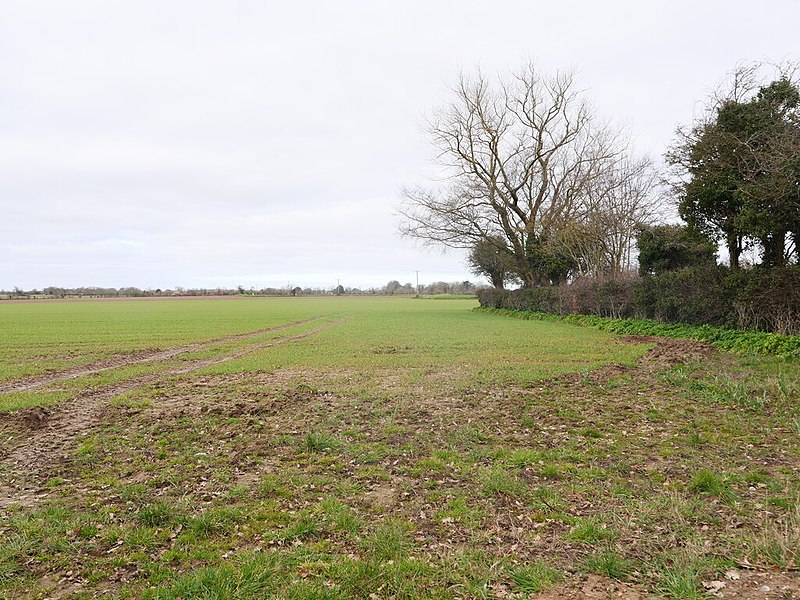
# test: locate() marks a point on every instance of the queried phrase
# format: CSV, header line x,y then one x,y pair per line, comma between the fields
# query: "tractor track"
x,y
124,361
27,467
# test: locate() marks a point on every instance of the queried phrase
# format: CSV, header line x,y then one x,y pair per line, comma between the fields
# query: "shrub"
x,y
605,297
602,296
694,295
767,299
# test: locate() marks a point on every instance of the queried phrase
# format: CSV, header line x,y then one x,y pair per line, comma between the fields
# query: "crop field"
x,y
376,448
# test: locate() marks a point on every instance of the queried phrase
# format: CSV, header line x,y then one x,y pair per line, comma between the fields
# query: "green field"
x,y
383,448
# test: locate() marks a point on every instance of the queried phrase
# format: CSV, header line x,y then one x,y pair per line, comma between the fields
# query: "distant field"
x,y
383,448
36,337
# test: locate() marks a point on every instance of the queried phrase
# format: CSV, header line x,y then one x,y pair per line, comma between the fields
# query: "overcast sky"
x,y
194,143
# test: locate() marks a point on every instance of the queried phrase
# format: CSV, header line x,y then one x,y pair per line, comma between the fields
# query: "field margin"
x,y
730,340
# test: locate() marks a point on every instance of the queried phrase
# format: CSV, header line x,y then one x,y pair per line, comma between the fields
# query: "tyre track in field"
x,y
26,468
108,364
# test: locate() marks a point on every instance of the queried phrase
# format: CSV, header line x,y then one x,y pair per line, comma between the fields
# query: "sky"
x,y
194,143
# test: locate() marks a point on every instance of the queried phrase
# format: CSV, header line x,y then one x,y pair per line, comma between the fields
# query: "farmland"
x,y
385,448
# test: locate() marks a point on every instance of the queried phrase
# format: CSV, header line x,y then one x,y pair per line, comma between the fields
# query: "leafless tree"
x,y
601,237
524,160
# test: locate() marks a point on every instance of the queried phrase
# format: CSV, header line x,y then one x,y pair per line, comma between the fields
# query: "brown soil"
x,y
742,585
754,585
594,587
671,351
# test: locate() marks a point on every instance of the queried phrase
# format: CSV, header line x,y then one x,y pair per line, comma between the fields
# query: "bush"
x,y
544,299
767,299
695,295
604,297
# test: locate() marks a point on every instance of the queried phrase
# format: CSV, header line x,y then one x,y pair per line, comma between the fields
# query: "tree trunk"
x,y
734,243
774,249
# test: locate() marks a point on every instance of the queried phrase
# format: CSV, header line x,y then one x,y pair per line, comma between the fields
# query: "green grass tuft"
x,y
707,482
319,442
680,583
591,531
608,564
535,577
157,514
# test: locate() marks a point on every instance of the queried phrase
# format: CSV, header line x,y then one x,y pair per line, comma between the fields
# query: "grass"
x,y
157,514
497,480
40,337
708,482
608,564
534,577
319,442
680,583
591,531
777,545
390,447
407,336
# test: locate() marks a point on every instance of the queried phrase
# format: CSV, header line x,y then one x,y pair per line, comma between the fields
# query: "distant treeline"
x,y
392,288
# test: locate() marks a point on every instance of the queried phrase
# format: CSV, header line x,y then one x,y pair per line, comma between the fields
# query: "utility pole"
x,y
417,272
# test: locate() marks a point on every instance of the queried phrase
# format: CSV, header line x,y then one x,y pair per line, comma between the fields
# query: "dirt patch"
x,y
755,585
33,418
392,350
742,585
594,587
381,496
672,351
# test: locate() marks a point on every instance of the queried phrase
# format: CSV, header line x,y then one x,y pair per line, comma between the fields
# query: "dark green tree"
x,y
740,172
491,258
771,165
551,263
665,248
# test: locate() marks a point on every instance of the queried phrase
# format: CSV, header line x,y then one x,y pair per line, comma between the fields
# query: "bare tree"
x,y
524,160
602,236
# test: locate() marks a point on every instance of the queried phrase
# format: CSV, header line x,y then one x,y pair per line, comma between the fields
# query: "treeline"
x,y
52,292
757,299
391,288
431,289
